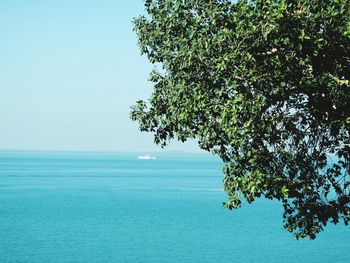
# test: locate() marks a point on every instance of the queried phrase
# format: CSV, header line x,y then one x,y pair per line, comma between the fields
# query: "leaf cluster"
x,y
265,84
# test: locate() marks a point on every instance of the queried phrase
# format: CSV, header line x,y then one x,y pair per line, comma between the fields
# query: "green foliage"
x,y
265,85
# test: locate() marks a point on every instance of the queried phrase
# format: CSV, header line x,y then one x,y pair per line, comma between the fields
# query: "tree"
x,y
264,84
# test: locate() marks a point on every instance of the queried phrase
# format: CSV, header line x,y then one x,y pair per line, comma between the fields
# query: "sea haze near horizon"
x,y
112,207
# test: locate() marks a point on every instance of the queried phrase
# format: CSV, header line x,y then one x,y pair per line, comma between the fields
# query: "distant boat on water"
x,y
147,157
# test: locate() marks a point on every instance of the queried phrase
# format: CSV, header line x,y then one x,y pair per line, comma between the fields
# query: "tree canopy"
x,y
264,84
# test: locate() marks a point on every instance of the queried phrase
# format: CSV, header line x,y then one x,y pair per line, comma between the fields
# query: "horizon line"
x,y
106,151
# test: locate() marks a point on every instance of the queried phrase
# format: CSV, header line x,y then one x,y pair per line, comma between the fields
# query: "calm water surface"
x,y
95,207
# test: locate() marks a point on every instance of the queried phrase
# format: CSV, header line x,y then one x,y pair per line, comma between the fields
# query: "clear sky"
x,y
69,72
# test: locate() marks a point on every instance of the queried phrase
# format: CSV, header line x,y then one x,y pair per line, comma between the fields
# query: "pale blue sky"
x,y
69,71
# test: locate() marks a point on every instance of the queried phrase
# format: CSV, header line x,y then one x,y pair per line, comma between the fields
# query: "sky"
x,y
69,72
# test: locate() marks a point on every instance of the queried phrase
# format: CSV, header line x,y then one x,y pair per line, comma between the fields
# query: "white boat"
x,y
147,157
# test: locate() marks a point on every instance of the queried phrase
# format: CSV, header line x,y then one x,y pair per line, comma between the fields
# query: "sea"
x,y
114,207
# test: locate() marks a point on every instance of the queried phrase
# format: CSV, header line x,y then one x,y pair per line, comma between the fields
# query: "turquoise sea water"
x,y
95,207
